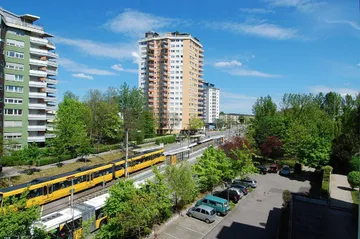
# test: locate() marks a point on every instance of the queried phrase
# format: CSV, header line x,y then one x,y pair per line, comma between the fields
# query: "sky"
x,y
252,48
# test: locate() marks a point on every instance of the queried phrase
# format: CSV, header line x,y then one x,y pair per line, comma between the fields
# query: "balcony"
x,y
50,99
49,127
37,95
50,45
36,139
38,73
38,62
37,106
36,127
51,72
52,63
38,84
38,41
51,81
39,52
51,107
50,90
52,54
50,116
50,136
37,116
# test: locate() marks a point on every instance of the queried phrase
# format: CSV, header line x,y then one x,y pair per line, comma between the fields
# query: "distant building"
x,y
211,103
234,119
27,78
170,74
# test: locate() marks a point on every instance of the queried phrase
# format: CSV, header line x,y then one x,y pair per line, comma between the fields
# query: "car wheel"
x,y
207,220
218,213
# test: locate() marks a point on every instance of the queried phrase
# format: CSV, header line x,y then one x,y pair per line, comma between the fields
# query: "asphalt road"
x,y
256,216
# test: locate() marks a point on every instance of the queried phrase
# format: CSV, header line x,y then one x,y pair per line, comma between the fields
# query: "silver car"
x,y
202,212
248,182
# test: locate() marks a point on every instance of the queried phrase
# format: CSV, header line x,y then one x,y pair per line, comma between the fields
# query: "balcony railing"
x,y
38,62
38,51
38,73
39,41
52,54
36,139
9,19
50,45
50,90
37,116
37,95
51,72
37,106
50,135
38,84
36,127
50,99
50,116
50,107
51,81
52,63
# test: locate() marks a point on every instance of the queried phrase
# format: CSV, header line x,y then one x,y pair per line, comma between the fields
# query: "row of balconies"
x,y
41,52
36,62
41,116
41,73
42,42
40,138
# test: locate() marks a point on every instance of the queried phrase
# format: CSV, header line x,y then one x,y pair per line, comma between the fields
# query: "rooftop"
x,y
155,35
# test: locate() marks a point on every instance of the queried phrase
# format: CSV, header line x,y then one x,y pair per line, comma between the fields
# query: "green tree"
x,y
207,169
30,154
332,104
354,164
220,124
242,164
195,123
354,179
148,126
264,106
16,221
71,130
181,183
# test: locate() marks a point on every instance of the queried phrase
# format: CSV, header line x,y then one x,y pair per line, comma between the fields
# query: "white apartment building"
x,y
211,103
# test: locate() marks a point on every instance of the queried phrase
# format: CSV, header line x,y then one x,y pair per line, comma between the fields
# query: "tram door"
x,y
172,159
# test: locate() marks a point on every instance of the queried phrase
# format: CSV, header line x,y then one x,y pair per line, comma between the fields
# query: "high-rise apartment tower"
x,y
27,83
170,74
211,103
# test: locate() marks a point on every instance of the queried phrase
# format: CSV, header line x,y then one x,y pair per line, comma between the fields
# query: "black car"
x,y
262,169
240,186
232,194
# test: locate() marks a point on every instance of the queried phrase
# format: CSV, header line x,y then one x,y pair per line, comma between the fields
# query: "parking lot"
x,y
255,216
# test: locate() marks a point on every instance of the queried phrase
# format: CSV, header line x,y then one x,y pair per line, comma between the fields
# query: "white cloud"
x,y
135,23
82,75
72,66
229,95
349,23
236,103
342,91
118,67
228,63
254,73
302,5
258,28
256,10
358,64
119,51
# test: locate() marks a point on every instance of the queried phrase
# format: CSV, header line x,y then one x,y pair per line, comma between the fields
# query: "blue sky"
x,y
252,47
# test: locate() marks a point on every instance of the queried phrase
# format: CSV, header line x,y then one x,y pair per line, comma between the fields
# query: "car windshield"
x,y
212,212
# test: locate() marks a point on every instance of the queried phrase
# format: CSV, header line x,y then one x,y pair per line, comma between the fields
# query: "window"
x,y
14,101
12,123
16,89
15,54
14,77
13,111
16,32
14,66
16,43
12,135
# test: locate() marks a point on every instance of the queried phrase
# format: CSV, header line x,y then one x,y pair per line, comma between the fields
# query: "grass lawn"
x,y
65,168
355,196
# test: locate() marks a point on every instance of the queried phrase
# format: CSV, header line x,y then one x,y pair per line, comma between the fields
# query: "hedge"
x,y
165,140
149,140
326,181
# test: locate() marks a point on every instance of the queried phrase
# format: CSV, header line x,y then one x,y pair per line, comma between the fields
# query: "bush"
x,y
354,179
286,196
288,162
165,140
354,164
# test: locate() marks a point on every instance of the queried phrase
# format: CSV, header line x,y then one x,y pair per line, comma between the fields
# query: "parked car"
x,y
202,212
219,204
233,194
262,169
285,171
248,182
274,168
240,186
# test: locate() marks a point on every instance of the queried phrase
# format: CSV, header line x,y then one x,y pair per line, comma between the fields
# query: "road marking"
x,y
191,229
171,235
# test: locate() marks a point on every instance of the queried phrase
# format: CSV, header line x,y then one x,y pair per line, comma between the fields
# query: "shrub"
x,y
354,164
286,196
354,179
288,162
165,140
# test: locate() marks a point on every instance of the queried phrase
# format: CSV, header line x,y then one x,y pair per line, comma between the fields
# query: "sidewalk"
x,y
340,192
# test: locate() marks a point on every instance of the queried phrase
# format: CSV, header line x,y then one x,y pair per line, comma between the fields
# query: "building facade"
x,y
27,76
232,119
211,103
170,74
